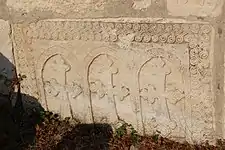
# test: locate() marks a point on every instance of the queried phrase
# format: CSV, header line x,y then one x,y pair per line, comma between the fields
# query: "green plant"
x,y
121,131
156,136
134,136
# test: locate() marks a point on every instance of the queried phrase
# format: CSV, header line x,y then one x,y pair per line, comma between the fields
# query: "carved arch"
x,y
41,62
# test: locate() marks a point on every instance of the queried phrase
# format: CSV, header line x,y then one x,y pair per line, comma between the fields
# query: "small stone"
x,y
133,147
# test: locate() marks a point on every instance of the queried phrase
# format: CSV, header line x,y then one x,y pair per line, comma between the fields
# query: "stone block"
x,y
201,8
45,9
154,74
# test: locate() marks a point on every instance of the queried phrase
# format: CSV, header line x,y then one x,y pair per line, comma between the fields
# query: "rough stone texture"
x,y
5,48
6,56
201,8
125,60
34,10
163,83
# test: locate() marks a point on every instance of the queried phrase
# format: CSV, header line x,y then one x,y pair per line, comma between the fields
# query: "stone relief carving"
x,y
101,76
24,63
97,87
53,88
175,96
57,87
152,81
197,37
58,65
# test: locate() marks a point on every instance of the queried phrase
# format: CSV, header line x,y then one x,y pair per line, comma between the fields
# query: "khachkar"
x,y
154,75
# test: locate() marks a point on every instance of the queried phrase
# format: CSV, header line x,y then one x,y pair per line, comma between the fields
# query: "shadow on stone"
x,y
86,137
19,113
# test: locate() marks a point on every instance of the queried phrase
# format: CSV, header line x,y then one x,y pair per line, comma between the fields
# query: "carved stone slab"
x,y
156,75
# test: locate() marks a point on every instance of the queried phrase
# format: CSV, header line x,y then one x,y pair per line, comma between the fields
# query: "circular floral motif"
x,y
32,26
194,60
121,34
193,70
189,37
155,38
171,38
179,39
113,38
147,38
203,54
163,38
138,38
136,27
205,29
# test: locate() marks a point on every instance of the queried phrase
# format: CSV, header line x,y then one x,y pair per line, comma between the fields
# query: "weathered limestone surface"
x,y
156,75
125,60
204,8
5,48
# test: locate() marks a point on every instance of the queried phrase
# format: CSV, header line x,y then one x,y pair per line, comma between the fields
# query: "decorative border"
x,y
197,36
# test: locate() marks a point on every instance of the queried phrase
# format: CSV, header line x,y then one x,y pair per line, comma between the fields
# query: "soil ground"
x,y
56,134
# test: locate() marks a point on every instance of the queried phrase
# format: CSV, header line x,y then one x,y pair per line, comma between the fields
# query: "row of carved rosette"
x,y
111,31
195,35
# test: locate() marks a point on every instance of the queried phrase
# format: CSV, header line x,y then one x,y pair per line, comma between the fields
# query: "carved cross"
x,y
52,87
149,94
74,90
97,87
121,92
175,96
